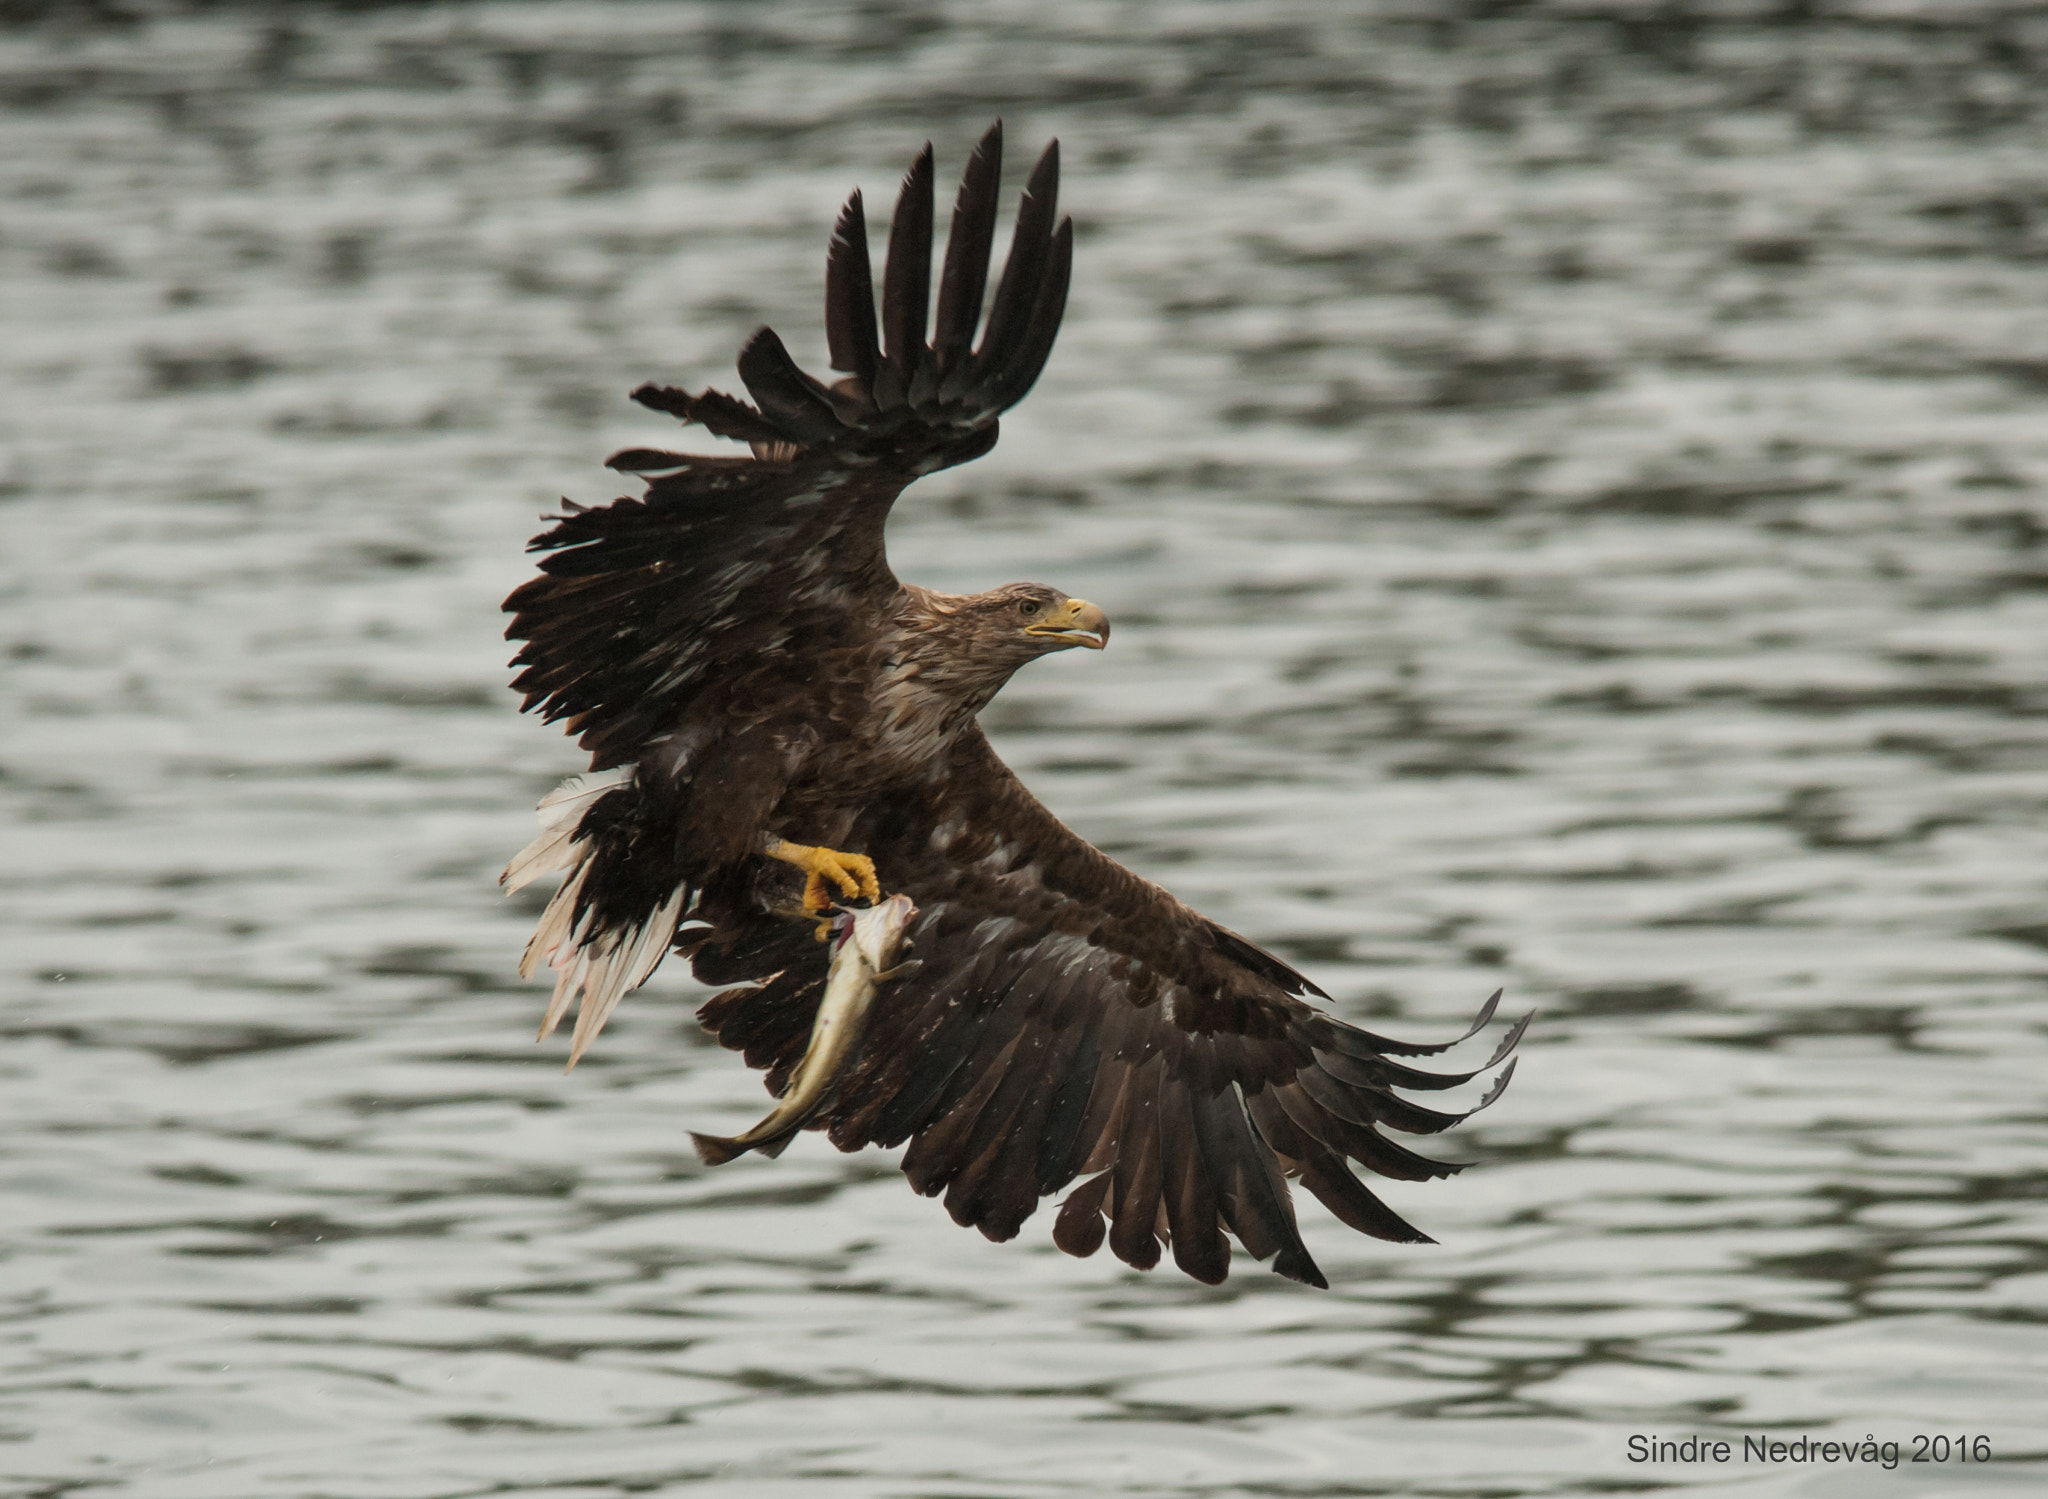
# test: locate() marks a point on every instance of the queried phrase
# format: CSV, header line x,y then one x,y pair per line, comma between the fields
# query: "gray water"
x,y
1569,487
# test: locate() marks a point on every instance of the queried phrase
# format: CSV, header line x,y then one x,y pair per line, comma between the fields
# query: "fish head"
x,y
877,931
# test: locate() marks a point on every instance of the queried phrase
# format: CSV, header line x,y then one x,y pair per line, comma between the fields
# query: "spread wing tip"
x,y
1510,1041
1500,1086
718,413
894,374
968,243
1296,1265
850,335
648,461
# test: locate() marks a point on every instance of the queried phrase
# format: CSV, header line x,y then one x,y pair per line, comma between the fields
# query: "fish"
x,y
865,944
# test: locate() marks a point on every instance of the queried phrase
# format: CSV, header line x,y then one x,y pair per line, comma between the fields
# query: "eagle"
x,y
779,727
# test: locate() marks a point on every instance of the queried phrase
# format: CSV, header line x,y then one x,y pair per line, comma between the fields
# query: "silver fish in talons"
x,y
864,948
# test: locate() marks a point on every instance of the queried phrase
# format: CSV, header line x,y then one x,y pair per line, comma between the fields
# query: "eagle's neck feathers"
x,y
942,665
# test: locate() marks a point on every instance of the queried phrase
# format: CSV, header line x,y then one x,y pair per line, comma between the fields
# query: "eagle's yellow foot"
x,y
854,874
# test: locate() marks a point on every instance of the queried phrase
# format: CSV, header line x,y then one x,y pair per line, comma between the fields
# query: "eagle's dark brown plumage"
x,y
734,650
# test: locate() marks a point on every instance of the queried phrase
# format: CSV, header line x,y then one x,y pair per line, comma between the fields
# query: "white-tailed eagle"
x,y
784,722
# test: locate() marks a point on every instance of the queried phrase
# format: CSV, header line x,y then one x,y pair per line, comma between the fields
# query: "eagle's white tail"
x,y
599,968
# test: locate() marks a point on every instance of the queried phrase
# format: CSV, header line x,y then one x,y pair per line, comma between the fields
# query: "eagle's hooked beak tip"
x,y
1078,623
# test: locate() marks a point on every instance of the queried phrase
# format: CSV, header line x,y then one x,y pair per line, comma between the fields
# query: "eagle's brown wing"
x,y
1068,1019
675,631
726,562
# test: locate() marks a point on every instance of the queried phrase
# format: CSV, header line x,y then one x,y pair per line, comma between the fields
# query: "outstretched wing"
x,y
1070,1019
723,562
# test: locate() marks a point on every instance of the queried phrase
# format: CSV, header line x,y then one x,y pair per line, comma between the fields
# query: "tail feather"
x,y
553,928
621,967
561,817
575,963
572,798
597,962
552,850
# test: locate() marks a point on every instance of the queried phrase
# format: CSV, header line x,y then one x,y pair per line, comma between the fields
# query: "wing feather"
x,y
789,401
1194,1212
1070,1020
990,1116
1009,384
645,605
1251,1191
715,411
1354,1203
1079,1228
1368,1044
1378,1072
1065,1110
935,1155
965,276
907,284
850,296
1373,1105
1095,1140
1361,1142
942,1049
1023,273
1137,1172
1008,1190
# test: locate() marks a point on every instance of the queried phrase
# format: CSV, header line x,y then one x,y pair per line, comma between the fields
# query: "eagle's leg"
x,y
854,874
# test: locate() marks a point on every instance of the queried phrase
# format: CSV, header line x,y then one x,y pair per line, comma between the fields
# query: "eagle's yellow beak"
x,y
1076,621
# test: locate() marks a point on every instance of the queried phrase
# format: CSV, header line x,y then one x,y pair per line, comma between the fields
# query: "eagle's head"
x,y
1020,621
967,646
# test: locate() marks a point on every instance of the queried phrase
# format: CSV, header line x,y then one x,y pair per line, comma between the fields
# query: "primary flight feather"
x,y
776,723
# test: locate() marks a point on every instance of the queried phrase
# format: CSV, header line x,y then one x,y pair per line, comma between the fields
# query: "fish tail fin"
x,y
716,1150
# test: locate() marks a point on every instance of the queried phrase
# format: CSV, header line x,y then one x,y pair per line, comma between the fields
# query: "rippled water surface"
x,y
1568,483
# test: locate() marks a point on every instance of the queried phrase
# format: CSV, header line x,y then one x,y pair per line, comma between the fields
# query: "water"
x,y
1569,490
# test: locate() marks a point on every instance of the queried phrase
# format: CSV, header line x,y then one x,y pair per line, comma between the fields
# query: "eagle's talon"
x,y
854,874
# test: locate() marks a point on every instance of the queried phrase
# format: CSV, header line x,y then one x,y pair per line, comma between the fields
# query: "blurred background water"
x,y
1567,478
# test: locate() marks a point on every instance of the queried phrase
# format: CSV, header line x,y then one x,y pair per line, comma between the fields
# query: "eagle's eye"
x,y
1029,606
